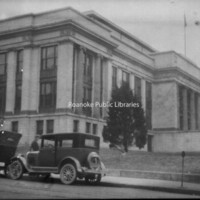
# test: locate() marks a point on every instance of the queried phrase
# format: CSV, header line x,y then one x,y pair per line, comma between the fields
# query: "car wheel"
x,y
93,180
68,174
15,170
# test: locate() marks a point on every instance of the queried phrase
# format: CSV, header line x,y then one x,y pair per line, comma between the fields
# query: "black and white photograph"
x,y
99,99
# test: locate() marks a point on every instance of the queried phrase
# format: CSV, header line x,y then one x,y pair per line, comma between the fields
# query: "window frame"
x,y
51,123
45,58
48,99
39,124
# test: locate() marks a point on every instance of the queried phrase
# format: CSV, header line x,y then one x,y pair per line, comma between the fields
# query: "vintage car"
x,y
8,146
72,155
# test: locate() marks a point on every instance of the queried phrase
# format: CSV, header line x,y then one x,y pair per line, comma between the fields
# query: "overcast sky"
x,y
160,23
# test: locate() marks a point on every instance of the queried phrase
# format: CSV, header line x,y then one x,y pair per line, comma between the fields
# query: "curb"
x,y
191,178
177,190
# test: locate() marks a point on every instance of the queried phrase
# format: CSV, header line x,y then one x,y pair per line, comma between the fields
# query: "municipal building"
x,y
50,60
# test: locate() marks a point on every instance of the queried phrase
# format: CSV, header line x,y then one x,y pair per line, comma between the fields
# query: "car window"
x,y
66,143
90,143
48,143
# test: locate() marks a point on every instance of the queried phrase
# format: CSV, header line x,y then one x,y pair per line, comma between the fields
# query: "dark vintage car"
x,y
72,155
8,146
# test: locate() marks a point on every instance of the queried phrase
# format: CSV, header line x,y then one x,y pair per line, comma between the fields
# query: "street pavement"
x,y
150,184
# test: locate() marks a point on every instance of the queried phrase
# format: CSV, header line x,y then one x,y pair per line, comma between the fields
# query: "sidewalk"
x,y
152,184
158,175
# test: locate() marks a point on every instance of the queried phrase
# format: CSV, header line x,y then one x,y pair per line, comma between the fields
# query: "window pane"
x,y
94,129
50,126
48,95
50,63
87,127
76,126
67,143
39,127
15,126
138,88
90,143
50,52
48,89
48,143
49,58
18,97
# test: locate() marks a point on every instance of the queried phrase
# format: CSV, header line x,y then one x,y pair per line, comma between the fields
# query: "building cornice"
x,y
133,60
169,72
177,54
66,24
150,57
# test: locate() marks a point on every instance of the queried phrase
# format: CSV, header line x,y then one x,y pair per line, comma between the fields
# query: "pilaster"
x,y
143,92
64,75
11,76
79,78
96,88
26,76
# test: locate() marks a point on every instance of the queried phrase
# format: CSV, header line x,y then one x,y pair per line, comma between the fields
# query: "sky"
x,y
159,23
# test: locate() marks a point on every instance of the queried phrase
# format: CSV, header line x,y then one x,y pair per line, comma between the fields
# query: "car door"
x,y
47,153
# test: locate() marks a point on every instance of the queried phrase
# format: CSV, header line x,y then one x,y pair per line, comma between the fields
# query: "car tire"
x,y
15,169
93,180
68,174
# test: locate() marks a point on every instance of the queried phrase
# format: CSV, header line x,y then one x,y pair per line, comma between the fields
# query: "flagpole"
x,y
185,24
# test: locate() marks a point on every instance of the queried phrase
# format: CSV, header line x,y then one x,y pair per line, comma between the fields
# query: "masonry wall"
x,y
176,141
164,106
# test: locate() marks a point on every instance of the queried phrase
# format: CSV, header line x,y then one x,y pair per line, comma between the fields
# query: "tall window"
x,y
39,127
2,64
181,89
189,109
49,58
88,127
87,82
138,88
18,97
114,77
148,104
125,78
2,99
19,61
50,126
101,87
196,111
88,66
94,129
75,126
47,95
15,126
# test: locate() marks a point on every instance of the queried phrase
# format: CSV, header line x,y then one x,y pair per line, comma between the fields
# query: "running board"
x,y
43,169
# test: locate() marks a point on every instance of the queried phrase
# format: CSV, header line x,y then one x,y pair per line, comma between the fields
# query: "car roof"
x,y
70,135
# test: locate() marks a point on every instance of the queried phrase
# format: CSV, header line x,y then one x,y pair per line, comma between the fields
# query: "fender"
x,y
22,159
77,163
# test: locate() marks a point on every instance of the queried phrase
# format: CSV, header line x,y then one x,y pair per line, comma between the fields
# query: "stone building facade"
x,y
48,61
